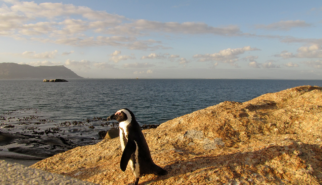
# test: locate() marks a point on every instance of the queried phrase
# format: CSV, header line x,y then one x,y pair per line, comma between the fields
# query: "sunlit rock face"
x,y
273,139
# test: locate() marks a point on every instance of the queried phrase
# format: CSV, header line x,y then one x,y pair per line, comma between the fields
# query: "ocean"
x,y
153,101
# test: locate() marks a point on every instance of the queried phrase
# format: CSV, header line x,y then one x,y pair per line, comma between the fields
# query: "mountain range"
x,y
23,71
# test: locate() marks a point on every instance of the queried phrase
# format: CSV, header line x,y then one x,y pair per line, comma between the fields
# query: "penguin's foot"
x,y
136,181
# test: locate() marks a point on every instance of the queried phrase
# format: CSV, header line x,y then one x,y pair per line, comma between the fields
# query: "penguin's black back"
x,y
146,163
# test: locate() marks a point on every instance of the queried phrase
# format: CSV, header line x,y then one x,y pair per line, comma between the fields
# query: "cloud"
x,y
78,24
41,63
226,56
315,64
83,64
284,25
52,10
285,55
138,65
254,64
174,56
250,58
312,51
155,56
11,1
71,26
103,65
34,55
270,65
116,57
141,27
290,64
145,44
149,71
116,53
183,61
67,53
38,28
86,64
300,40
115,41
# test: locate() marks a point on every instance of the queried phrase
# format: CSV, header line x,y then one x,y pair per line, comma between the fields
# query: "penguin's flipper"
x,y
127,152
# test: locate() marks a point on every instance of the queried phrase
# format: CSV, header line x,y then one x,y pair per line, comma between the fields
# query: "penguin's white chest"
x,y
123,134
123,140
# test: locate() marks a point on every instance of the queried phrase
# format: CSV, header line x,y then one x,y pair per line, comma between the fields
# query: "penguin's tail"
x,y
158,170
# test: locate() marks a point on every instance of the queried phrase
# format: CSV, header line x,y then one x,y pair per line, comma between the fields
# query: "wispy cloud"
x,y
138,65
229,55
254,64
312,51
143,27
117,57
291,64
34,55
149,71
83,64
21,21
86,64
314,63
67,53
42,63
270,65
183,61
284,25
155,56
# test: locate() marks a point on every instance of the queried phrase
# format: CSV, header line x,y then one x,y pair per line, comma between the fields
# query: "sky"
x,y
208,39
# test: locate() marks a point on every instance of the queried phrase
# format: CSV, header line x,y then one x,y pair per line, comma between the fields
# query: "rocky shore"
x,y
275,138
27,135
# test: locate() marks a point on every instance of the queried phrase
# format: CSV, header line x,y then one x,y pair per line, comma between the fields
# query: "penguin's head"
x,y
122,115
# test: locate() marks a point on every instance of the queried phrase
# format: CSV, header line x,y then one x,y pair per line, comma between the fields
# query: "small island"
x,y
55,80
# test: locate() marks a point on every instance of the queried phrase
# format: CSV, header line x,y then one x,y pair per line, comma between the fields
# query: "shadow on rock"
x,y
297,158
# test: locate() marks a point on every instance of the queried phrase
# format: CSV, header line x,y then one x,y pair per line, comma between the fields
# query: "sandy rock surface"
x,y
12,173
273,139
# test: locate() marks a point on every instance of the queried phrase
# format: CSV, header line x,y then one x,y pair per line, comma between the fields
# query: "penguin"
x,y
134,147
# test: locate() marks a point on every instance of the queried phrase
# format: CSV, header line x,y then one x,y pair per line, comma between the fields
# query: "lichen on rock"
x,y
275,138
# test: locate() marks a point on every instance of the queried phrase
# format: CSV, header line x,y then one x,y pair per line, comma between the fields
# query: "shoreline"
x,y
26,136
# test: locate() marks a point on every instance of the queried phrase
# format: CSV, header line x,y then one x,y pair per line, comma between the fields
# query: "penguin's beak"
x,y
111,117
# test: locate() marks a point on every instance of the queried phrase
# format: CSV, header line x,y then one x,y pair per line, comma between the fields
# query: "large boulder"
x,y
273,139
112,133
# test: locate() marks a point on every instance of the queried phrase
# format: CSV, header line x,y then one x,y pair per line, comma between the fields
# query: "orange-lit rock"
x,y
275,138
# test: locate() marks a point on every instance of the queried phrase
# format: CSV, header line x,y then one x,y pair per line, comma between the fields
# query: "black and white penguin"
x,y
134,147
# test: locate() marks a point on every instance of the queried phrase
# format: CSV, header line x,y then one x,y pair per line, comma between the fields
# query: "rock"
x,y
60,80
35,151
102,134
275,138
149,126
6,138
55,80
112,133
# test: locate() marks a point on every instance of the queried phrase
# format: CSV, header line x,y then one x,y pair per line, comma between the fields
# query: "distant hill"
x,y
17,71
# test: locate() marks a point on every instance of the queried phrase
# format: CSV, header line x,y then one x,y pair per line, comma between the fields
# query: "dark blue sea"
x,y
152,101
